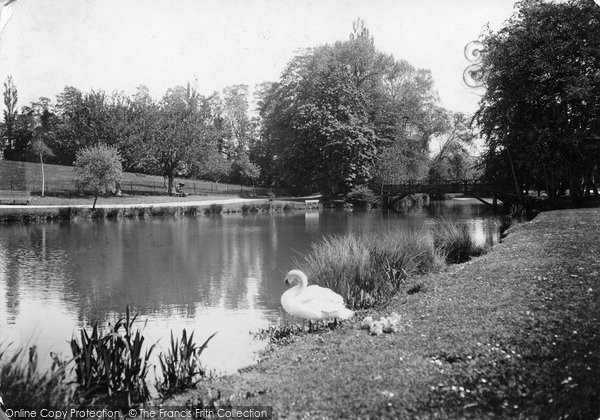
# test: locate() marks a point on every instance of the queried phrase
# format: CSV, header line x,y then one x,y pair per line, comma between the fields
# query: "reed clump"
x,y
109,367
180,366
455,242
22,383
367,270
112,367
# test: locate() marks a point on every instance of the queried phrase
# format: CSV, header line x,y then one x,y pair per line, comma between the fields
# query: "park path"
x,y
194,203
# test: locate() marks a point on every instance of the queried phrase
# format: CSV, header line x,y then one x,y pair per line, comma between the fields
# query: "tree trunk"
x,y
170,178
43,177
95,199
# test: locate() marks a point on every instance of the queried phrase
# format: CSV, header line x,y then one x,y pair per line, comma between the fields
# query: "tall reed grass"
x,y
108,368
455,242
369,269
180,366
113,366
22,384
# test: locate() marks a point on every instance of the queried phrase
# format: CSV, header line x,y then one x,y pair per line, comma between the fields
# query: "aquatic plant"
x,y
112,366
369,269
21,382
181,368
455,242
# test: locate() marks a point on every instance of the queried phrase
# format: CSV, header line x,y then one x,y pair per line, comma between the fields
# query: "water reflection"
x,y
207,274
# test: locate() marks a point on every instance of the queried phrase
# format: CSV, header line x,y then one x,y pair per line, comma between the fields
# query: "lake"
x,y
220,273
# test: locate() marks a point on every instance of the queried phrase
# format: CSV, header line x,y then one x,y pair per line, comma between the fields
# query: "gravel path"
x,y
514,333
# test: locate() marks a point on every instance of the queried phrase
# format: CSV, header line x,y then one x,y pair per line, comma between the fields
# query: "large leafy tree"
x,y
318,127
540,113
347,114
178,138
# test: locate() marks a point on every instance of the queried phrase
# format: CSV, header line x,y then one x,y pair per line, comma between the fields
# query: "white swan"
x,y
312,302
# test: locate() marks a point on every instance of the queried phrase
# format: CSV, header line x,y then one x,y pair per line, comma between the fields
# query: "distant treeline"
x,y
341,116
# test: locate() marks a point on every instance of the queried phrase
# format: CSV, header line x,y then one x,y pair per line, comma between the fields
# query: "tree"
x,y
215,166
98,169
10,115
237,123
343,112
245,169
318,127
40,126
178,135
540,114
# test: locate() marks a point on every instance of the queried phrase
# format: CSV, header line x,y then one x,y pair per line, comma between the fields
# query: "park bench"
x,y
14,197
310,203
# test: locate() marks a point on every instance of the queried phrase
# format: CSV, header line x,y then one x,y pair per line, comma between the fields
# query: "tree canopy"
x,y
540,113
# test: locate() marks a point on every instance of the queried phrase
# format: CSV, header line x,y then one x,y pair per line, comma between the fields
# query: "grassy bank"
x,y
26,176
143,210
511,334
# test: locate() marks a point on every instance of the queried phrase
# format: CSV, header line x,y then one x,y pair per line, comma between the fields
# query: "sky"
x,y
120,44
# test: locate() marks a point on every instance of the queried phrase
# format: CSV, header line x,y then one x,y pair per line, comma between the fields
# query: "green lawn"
x,y
60,180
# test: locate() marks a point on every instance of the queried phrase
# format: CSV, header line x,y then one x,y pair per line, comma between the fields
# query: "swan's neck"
x,y
299,287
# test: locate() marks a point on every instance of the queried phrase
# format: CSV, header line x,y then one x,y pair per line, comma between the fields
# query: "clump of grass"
x,y
250,208
281,335
181,368
288,207
98,213
22,384
112,367
114,213
191,210
368,270
68,213
455,242
214,209
163,211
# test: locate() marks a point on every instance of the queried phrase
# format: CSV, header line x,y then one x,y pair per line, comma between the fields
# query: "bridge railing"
x,y
442,186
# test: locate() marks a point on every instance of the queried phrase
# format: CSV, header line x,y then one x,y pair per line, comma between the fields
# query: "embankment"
x,y
513,333
42,213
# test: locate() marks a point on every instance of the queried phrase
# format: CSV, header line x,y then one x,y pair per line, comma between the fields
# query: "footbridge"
x,y
469,187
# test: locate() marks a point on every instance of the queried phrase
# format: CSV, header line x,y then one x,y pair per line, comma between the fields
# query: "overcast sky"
x,y
120,44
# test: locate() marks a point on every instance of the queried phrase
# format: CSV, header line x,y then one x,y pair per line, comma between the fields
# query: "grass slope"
x,y
27,176
511,334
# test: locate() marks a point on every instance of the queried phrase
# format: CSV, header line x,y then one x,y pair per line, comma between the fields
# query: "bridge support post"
x,y
495,200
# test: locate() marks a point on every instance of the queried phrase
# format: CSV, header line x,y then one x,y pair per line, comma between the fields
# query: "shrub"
x,y
368,270
362,195
181,368
289,207
455,242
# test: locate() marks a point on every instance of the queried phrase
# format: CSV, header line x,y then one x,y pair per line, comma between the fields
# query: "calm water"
x,y
206,274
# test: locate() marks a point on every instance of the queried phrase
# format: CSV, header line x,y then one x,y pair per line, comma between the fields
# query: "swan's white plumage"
x,y
312,302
